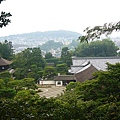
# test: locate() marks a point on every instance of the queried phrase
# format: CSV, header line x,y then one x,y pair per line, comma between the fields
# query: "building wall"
x,y
45,82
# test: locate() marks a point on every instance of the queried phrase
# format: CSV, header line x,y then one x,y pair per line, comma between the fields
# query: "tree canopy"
x,y
49,72
28,63
48,55
97,99
6,49
99,48
66,56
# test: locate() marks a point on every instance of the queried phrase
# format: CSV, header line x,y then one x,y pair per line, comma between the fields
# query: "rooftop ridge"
x,y
112,57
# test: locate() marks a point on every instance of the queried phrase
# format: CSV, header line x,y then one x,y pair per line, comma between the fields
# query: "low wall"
x,y
47,82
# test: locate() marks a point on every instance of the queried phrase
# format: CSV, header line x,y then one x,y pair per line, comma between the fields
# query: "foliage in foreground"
x,y
4,18
98,31
10,87
98,99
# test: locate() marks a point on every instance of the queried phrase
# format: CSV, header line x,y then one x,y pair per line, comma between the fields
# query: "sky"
x,y
47,15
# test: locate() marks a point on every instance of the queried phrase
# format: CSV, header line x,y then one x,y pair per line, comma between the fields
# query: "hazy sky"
x,y
45,15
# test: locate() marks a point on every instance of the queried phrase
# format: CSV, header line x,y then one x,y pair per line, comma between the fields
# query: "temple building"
x,y
4,64
84,67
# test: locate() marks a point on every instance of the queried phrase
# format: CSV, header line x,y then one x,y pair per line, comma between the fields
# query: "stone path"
x,y
51,92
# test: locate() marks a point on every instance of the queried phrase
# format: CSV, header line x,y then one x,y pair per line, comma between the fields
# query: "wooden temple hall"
x,y
4,64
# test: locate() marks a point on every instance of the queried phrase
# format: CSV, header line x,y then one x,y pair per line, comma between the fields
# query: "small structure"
x,y
4,64
63,80
60,80
46,82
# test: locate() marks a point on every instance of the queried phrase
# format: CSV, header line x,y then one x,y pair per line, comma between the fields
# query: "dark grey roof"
x,y
65,77
86,73
4,62
80,58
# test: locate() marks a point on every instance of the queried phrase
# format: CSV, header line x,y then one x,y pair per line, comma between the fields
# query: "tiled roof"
x,y
85,73
65,77
4,62
98,62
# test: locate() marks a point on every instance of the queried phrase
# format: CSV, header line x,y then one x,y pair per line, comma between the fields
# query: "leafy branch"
x,y
97,31
1,1
4,18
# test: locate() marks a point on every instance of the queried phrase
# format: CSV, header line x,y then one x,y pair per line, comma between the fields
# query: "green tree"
x,y
98,48
16,85
62,68
33,68
7,93
21,107
6,77
66,56
49,72
48,55
29,83
25,95
98,98
5,74
36,58
6,50
20,73
2,84
28,62
28,57
53,60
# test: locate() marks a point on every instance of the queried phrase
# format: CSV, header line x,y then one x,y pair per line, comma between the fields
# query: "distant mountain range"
x,y
35,39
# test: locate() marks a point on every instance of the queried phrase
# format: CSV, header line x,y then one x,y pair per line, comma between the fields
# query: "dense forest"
x,y
97,99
